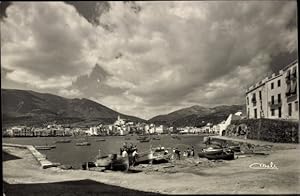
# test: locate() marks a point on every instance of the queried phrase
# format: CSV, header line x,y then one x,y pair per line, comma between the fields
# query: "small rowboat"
x,y
214,154
212,150
235,148
145,140
83,144
63,141
100,140
113,162
45,147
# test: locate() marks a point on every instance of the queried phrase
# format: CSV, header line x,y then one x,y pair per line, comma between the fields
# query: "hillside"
x,y
31,108
197,115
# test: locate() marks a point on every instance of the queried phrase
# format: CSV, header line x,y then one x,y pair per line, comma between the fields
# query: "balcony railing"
x,y
276,103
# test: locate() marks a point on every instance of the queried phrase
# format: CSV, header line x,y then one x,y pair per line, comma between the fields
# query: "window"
x,y
278,83
279,112
248,113
272,85
255,113
260,95
279,98
247,100
290,109
272,100
296,106
272,112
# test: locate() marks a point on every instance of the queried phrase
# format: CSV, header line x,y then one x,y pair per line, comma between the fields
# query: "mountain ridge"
x,y
197,115
23,106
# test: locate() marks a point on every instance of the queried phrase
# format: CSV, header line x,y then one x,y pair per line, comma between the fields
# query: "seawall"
x,y
38,156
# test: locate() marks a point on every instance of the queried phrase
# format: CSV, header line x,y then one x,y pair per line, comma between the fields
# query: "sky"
x,y
146,58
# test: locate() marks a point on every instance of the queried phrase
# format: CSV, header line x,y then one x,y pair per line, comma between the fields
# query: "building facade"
x,y
276,96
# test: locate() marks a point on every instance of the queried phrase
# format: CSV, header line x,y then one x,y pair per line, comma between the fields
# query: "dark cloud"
x,y
91,10
152,57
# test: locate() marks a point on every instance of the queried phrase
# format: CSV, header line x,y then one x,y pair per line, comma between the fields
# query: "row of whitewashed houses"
x,y
119,127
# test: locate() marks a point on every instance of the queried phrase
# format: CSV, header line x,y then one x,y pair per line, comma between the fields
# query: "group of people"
x,y
129,151
188,153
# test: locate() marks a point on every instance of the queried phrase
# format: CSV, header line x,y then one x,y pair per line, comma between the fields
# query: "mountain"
x,y
31,108
197,115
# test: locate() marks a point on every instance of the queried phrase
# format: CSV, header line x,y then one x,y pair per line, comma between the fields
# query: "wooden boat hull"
x,y
213,151
63,141
145,157
222,155
116,163
235,148
83,144
100,140
42,148
147,140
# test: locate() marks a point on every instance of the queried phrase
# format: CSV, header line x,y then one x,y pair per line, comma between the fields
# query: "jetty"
x,y
42,159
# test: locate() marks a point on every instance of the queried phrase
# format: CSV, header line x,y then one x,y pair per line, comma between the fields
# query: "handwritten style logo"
x,y
263,166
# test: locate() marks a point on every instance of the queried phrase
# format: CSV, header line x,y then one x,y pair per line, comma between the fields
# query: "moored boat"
x,y
47,147
63,141
145,140
156,138
83,144
100,140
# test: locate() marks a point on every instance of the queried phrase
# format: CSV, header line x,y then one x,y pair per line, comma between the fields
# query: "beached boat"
x,y
63,141
113,162
176,137
156,138
46,147
235,148
144,157
214,154
83,144
211,150
145,140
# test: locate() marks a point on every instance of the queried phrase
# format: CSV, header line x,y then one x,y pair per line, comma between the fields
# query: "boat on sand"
x,y
218,153
113,162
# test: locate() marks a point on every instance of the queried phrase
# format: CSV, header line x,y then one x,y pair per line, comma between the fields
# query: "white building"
x,y
276,96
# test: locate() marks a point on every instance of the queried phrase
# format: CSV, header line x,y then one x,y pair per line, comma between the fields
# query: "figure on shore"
x,y
188,152
193,152
177,152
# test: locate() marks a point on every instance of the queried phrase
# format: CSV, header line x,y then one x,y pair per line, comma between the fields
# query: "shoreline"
x,y
201,178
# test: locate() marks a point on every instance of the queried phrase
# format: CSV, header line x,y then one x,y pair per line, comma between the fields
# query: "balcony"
x,y
275,104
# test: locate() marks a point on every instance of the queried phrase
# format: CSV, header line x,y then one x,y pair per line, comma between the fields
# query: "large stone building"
x,y
276,96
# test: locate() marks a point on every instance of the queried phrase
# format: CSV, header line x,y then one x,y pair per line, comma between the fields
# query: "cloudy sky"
x,y
146,58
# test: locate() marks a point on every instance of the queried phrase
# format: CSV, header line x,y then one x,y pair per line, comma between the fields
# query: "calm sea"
x,y
70,154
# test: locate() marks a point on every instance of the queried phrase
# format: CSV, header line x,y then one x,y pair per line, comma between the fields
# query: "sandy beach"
x,y
23,176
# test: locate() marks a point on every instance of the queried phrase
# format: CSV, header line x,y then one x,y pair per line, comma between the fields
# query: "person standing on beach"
x,y
193,152
124,153
177,152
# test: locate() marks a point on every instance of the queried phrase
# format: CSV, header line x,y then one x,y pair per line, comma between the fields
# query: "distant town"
x,y
120,127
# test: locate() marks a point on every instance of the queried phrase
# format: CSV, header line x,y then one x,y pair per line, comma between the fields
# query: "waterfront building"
x,y
276,96
159,129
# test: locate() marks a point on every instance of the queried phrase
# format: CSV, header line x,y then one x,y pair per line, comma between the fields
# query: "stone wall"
x,y
264,129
